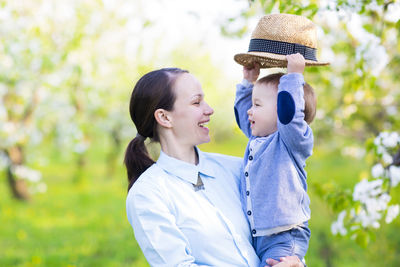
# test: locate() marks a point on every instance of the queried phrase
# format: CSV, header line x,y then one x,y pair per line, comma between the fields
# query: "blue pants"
x,y
287,243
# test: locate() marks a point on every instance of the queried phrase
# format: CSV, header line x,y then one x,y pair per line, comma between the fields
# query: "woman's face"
x,y
191,112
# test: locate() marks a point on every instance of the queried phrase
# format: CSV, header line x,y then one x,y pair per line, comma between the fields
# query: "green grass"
x,y
72,224
84,223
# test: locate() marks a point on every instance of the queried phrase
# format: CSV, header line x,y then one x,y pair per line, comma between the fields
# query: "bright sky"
x,y
199,21
175,21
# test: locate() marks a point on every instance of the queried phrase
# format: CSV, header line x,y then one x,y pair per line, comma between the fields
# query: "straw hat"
x,y
278,35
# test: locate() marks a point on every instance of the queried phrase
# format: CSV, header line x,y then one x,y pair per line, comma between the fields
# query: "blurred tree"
x,y
64,69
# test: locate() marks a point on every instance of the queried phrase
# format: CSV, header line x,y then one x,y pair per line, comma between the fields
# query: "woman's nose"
x,y
209,110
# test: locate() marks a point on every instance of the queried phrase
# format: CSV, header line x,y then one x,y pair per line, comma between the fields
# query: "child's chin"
x,y
254,133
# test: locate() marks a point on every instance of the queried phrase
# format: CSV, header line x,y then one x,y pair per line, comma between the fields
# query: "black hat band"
x,y
282,48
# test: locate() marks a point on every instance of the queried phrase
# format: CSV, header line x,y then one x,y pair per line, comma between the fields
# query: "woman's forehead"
x,y
187,85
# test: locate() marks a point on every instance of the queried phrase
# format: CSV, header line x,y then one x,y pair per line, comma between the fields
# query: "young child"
x,y
274,114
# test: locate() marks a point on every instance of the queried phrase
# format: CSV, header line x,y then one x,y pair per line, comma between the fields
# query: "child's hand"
x,y
251,73
296,63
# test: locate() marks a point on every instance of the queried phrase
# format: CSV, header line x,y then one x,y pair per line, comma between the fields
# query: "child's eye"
x,y
196,103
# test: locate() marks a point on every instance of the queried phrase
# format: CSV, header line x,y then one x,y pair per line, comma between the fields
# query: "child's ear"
x,y
163,118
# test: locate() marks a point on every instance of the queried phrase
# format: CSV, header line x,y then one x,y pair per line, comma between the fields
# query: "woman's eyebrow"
x,y
198,95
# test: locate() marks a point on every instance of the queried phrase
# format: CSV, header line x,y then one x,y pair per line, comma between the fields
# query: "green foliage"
x,y
292,7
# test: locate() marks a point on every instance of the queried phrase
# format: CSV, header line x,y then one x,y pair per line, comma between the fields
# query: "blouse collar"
x,y
184,170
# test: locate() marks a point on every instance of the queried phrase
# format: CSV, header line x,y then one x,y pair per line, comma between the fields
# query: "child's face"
x,y
263,113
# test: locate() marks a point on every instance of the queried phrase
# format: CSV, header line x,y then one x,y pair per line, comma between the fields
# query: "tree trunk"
x,y
18,187
80,167
113,153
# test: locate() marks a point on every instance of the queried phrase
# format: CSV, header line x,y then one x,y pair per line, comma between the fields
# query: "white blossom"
x,y
377,170
81,147
374,199
394,175
376,205
380,149
23,172
370,48
391,140
369,220
392,213
353,151
338,226
391,110
4,160
393,12
371,214
387,158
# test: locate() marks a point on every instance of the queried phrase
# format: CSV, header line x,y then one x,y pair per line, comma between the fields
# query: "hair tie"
x,y
138,135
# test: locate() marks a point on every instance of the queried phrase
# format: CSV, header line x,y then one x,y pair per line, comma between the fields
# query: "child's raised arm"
x,y
294,130
243,97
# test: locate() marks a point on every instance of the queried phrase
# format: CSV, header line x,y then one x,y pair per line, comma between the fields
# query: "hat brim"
x,y
269,60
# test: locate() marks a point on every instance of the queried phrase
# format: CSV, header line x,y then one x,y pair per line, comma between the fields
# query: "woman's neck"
x,y
184,153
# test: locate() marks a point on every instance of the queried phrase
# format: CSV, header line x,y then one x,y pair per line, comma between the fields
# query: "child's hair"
x,y
310,98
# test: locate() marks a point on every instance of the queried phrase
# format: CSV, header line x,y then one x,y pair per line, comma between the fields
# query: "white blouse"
x,y
178,224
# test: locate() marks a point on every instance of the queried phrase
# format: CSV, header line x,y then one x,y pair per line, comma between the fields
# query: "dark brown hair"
x,y
153,91
310,98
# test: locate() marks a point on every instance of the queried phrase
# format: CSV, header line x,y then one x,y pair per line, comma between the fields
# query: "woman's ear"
x,y
163,118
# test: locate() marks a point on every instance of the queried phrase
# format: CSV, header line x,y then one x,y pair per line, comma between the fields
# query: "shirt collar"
x,y
184,170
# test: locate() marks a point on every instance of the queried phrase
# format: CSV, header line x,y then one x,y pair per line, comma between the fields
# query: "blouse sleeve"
x,y
162,242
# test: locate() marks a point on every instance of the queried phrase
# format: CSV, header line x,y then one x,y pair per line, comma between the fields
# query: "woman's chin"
x,y
204,139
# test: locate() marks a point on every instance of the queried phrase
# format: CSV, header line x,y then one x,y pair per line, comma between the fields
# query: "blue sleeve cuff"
x,y
246,83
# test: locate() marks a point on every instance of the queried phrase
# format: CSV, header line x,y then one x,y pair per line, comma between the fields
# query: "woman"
x,y
184,208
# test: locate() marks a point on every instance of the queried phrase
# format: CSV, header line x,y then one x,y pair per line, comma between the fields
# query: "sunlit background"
x,y
67,69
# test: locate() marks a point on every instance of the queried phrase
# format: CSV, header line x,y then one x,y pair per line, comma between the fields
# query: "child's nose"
x,y
249,112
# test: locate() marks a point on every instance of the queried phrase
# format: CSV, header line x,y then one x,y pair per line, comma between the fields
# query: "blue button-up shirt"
x,y
178,225
274,188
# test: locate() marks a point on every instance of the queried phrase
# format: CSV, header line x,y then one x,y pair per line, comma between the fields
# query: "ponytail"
x,y
137,159
152,91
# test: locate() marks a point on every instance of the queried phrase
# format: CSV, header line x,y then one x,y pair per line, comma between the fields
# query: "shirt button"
x,y
247,192
249,212
246,174
250,157
254,231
